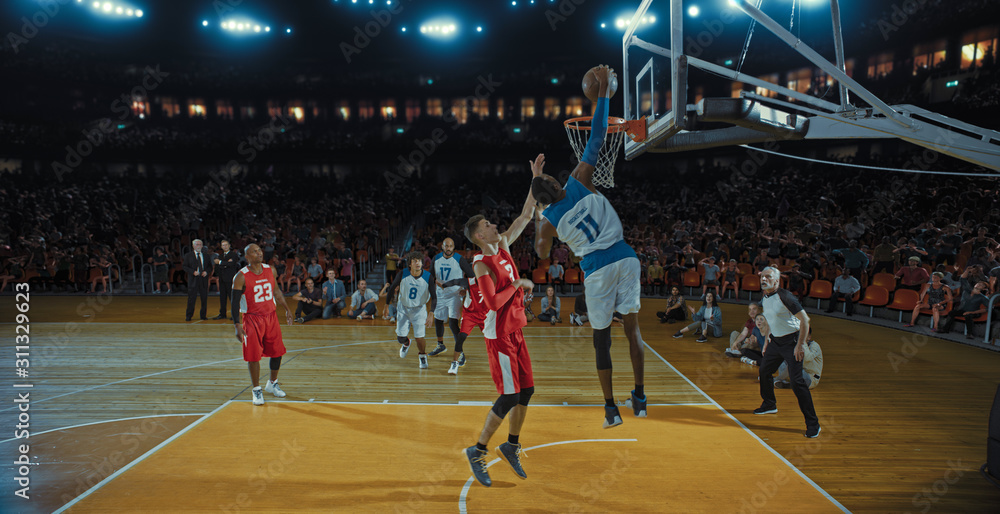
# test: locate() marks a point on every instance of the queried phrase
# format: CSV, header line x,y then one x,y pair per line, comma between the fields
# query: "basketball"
x,y
592,88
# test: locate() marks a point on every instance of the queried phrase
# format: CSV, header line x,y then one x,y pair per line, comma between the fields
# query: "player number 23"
x,y
262,292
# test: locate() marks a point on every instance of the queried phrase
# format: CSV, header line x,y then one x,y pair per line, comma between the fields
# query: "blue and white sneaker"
x,y
612,417
477,461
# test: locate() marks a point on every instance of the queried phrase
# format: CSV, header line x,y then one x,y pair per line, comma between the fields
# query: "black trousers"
x,y
882,266
783,349
225,291
950,320
308,311
848,299
198,286
676,314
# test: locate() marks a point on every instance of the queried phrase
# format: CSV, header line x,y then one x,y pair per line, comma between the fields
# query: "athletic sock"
x,y
512,439
256,388
481,447
639,393
609,402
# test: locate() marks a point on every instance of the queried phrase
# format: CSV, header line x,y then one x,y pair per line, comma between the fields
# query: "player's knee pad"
x,y
275,363
602,348
402,340
439,328
460,341
525,395
505,403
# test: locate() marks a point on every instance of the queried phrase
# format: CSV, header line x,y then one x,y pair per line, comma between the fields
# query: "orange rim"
x,y
636,129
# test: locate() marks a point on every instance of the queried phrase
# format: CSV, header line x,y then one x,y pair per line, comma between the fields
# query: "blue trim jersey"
x,y
587,222
414,291
447,269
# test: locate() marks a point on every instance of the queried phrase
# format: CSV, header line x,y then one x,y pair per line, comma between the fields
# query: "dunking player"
x,y
510,365
585,220
449,272
254,294
414,290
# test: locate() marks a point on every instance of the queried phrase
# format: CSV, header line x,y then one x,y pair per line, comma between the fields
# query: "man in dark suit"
x,y
227,264
198,267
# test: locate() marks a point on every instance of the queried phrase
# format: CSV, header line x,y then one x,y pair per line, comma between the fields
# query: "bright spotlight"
x,y
288,31
652,19
733,3
620,23
106,6
513,2
138,13
423,30
371,1
97,5
479,29
119,10
694,11
603,25
404,29
256,28
204,23
267,29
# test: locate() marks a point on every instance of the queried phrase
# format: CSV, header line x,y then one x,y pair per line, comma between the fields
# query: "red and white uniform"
x,y
510,364
474,309
260,318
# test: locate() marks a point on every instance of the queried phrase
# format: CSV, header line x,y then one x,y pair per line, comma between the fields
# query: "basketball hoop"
x,y
578,132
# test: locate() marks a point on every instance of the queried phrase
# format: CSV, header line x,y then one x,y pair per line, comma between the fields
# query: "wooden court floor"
x,y
133,409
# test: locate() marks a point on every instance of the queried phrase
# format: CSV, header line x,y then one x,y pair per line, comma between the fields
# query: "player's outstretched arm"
x,y
281,299
519,223
584,172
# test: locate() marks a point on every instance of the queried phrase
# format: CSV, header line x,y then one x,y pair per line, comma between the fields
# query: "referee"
x,y
789,332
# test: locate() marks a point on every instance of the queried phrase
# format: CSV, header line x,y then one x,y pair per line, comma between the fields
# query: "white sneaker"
x,y
423,361
258,396
361,317
274,388
404,349
453,370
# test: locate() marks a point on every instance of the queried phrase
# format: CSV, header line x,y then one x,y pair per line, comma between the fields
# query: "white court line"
x,y
761,441
91,388
468,483
142,457
462,403
107,421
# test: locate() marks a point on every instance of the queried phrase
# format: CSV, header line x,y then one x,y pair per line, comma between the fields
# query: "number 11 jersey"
x,y
584,220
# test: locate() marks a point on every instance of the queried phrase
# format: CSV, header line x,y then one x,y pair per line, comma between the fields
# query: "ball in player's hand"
x,y
592,87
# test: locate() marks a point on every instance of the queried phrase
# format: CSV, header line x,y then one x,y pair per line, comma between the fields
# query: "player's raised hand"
x,y
537,165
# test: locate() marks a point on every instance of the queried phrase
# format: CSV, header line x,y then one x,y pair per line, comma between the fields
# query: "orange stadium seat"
x,y
540,276
820,290
572,277
904,300
875,296
885,280
750,284
692,279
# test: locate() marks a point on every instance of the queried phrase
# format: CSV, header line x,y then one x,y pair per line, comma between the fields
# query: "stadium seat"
x,y
572,277
750,284
885,280
540,276
980,319
361,257
875,296
820,290
692,279
904,300
544,264
745,269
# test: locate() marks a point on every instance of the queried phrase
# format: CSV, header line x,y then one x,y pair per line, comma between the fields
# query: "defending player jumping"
x,y
510,366
254,294
585,220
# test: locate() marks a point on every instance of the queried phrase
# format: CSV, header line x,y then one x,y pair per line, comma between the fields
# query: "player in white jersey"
x,y
450,272
584,219
414,290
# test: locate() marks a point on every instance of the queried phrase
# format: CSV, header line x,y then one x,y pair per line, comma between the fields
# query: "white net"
x,y
578,132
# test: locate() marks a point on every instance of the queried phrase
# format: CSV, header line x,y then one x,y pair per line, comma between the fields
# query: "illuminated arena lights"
x,y
623,22
115,9
242,26
439,29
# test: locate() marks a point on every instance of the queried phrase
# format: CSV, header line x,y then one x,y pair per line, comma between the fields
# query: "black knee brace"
x,y
459,341
602,347
525,395
504,404
402,340
439,328
453,324
275,363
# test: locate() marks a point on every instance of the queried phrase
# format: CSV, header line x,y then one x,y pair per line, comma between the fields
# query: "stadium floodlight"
x,y
138,13
204,23
694,11
479,29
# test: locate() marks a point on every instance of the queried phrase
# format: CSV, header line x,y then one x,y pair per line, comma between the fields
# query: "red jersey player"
x,y
510,365
473,315
254,295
